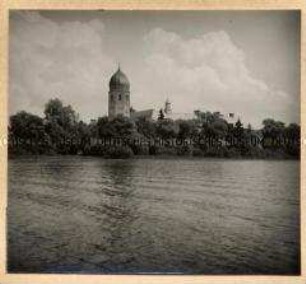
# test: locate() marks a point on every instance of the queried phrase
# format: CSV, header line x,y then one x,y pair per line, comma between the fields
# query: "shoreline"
x,y
160,157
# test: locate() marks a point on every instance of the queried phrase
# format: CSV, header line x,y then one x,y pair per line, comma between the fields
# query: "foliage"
x,y
207,135
27,134
161,115
166,128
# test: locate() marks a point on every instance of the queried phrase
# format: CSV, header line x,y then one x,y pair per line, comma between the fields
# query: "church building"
x,y
119,103
119,100
119,95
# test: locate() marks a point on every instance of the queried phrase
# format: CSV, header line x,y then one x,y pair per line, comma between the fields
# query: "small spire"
x,y
118,66
167,108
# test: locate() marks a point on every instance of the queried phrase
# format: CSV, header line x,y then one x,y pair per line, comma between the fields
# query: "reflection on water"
x,y
89,215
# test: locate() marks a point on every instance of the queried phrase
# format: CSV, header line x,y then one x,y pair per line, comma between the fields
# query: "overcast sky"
x,y
243,62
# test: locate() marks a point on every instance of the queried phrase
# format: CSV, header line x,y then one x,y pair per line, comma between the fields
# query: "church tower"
x,y
168,108
119,95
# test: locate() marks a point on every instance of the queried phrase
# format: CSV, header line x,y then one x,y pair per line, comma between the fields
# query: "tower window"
x,y
120,97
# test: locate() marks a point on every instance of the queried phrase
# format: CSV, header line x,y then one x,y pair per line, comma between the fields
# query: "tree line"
x,y
61,131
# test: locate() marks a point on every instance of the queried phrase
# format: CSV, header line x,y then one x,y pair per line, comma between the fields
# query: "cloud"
x,y
70,60
209,73
65,60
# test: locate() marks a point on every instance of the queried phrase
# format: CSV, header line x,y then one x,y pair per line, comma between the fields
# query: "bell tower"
x,y
119,95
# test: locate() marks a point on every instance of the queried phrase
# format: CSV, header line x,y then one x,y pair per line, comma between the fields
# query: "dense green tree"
x,y
161,115
26,125
238,129
166,128
61,124
187,128
273,133
64,116
118,127
146,127
61,132
53,109
273,128
27,134
292,139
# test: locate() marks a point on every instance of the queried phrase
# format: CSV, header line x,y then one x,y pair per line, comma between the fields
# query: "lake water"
x,y
91,215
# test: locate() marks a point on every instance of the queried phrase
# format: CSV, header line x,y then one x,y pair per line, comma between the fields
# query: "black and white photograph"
x,y
154,142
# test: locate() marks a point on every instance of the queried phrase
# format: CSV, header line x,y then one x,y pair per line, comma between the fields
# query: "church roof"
x,y
119,79
146,114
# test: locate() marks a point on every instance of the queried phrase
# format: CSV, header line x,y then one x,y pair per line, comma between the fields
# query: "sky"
x,y
243,62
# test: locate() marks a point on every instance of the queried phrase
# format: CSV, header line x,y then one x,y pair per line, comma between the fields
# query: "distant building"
x,y
168,108
119,99
148,114
119,102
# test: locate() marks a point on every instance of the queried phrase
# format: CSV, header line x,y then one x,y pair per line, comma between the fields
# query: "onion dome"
x,y
119,80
